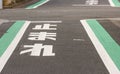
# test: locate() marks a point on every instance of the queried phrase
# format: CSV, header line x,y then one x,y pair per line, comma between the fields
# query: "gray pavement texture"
x,y
75,53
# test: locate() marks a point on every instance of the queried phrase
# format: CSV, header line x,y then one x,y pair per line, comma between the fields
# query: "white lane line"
x,y
114,19
88,5
100,49
46,21
38,21
117,23
2,21
39,4
118,19
4,58
111,3
78,39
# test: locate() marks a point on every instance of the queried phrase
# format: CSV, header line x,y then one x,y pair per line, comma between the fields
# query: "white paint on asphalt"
x,y
42,36
88,5
78,40
37,21
117,23
100,49
3,21
45,27
4,58
114,19
46,21
36,50
91,2
36,35
39,4
111,3
118,19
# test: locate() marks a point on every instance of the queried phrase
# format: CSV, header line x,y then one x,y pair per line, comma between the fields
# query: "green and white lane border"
x,y
10,40
105,45
114,3
39,3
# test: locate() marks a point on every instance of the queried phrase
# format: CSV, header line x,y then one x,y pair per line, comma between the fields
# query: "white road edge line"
x,y
117,19
111,3
4,58
88,5
46,21
39,4
3,21
100,49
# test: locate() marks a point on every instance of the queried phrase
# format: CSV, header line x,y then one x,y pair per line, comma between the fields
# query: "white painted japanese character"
x,y
44,27
36,49
42,36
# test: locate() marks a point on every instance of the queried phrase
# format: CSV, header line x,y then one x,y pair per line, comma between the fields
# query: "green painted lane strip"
x,y
36,4
8,37
112,48
116,3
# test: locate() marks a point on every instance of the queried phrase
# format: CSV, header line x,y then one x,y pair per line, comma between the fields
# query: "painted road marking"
x,y
117,23
117,19
91,2
38,21
42,36
9,50
72,50
109,50
37,48
88,5
40,3
9,36
46,21
109,44
111,3
41,32
45,27
114,3
2,21
15,34
78,40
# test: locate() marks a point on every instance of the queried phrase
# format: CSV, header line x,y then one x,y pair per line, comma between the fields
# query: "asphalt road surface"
x,y
60,37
